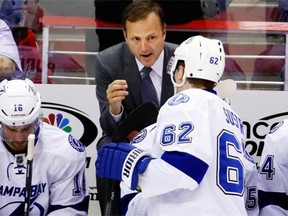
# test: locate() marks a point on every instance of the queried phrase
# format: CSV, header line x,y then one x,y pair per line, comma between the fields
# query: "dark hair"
x,y
196,81
140,9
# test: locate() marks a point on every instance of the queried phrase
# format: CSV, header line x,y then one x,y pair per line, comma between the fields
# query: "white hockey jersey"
x,y
59,185
272,177
201,166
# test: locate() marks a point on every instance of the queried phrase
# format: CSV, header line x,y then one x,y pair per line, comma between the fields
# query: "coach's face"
x,y
145,39
16,136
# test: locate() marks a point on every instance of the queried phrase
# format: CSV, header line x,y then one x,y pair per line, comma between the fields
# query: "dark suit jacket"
x,y
117,62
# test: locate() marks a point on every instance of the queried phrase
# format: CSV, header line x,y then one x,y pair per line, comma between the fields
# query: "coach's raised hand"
x,y
116,93
122,161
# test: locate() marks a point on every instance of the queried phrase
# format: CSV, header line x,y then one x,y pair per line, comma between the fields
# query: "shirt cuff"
x,y
118,117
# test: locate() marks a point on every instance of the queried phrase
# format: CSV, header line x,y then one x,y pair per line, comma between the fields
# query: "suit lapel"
x,y
133,78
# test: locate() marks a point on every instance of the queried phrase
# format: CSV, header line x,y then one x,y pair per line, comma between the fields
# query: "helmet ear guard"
x,y
20,102
171,69
204,58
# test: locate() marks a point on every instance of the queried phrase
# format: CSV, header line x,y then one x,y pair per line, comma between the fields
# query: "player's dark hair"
x,y
201,82
140,9
195,81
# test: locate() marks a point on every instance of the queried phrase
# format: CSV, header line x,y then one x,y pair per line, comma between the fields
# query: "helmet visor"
x,y
18,134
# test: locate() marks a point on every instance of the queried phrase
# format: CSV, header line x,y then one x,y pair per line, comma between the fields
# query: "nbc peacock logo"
x,y
68,118
59,121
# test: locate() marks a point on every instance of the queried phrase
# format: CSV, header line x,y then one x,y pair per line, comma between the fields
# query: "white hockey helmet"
x,y
204,58
20,102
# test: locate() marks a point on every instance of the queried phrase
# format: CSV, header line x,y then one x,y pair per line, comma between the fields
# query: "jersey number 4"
x,y
268,167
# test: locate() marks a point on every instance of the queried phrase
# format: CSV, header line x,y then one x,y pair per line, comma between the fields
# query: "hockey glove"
x,y
122,161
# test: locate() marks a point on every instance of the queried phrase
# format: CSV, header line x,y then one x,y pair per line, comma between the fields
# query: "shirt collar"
x,y
157,67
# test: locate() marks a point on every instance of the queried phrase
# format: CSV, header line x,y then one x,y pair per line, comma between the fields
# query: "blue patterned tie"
x,y
148,91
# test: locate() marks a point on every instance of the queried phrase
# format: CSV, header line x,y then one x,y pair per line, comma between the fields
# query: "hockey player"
x,y
58,181
272,177
195,162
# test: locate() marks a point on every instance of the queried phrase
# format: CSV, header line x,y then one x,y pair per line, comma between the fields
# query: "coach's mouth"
x,y
146,55
148,59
